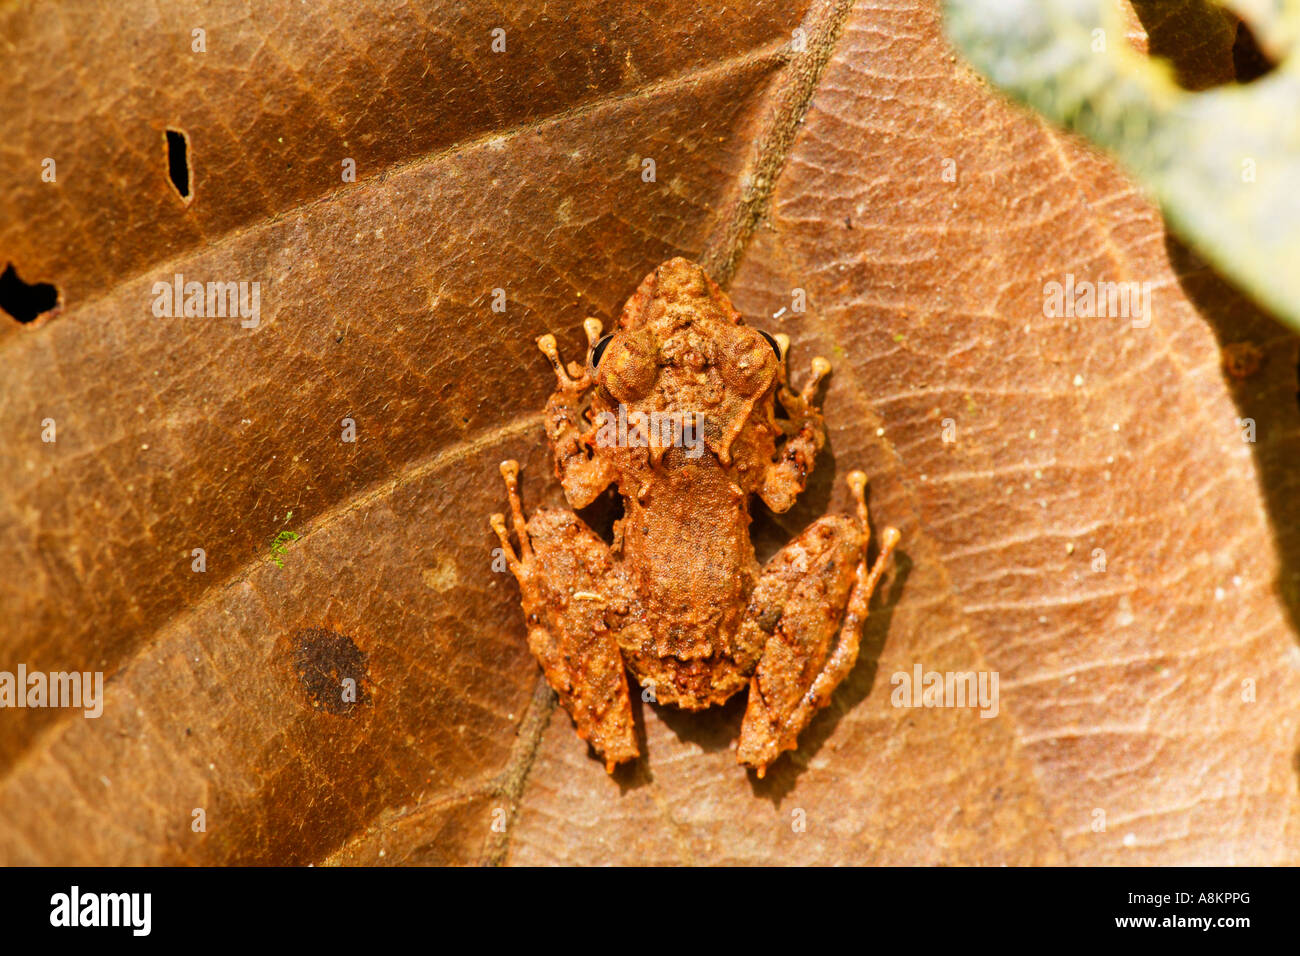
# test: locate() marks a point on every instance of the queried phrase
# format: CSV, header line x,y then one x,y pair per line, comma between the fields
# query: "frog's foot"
x,y
583,474
796,602
574,378
820,369
510,472
805,434
563,571
801,405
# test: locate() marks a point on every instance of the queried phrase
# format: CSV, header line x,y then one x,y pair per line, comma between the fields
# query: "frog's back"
x,y
687,551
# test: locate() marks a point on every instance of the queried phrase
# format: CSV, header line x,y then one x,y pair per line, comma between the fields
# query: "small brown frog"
x,y
682,419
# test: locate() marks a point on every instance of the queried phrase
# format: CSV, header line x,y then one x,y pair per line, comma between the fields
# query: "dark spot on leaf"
x,y
1241,359
325,661
1248,60
25,302
1190,42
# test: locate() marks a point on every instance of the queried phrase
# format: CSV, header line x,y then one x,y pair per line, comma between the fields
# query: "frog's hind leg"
x,y
797,602
563,570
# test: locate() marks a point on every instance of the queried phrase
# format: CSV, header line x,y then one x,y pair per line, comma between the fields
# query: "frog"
x,y
678,599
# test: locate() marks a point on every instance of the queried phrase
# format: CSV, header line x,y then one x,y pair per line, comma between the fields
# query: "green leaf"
x,y
1224,163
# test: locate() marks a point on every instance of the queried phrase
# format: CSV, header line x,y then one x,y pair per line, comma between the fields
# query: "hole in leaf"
x,y
23,301
178,162
1248,59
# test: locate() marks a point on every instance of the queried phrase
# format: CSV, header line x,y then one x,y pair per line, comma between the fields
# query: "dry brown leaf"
x,y
1121,691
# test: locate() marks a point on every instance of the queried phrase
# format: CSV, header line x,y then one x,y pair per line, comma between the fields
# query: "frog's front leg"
x,y
805,434
583,475
566,578
797,603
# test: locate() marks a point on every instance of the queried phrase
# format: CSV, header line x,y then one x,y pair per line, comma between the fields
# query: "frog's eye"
x,y
772,342
746,365
627,365
598,349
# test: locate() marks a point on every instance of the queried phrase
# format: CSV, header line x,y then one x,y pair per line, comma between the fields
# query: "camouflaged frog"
x,y
676,408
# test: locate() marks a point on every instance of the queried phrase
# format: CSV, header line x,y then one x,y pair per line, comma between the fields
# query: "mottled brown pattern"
x,y
1121,691
676,408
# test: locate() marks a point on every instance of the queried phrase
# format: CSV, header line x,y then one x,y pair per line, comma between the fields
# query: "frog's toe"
x,y
548,347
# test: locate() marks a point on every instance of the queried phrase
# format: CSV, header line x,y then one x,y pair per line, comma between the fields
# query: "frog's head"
x,y
680,347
